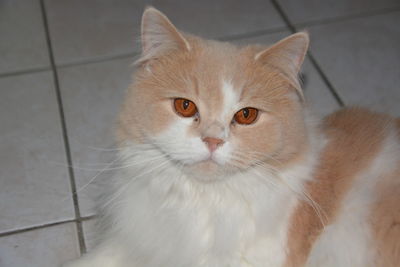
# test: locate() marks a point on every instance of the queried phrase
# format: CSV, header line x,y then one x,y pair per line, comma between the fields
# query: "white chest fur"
x,y
168,219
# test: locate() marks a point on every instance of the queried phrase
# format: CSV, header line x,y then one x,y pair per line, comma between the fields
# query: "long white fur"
x,y
165,218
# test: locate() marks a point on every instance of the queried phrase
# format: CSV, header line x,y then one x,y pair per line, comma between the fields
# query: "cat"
x,y
224,166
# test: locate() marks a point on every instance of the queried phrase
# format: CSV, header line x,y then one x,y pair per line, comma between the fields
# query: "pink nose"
x,y
213,143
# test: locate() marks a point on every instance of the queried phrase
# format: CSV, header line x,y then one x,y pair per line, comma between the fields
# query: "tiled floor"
x,y
64,65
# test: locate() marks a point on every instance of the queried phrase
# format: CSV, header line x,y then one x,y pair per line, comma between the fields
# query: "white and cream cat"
x,y
224,168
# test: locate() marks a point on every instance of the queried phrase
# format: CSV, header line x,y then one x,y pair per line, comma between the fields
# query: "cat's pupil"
x,y
245,112
186,104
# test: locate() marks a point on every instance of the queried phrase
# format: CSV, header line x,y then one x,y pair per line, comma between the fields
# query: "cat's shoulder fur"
x,y
357,169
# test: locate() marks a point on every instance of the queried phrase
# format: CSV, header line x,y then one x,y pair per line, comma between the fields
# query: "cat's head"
x,y
211,106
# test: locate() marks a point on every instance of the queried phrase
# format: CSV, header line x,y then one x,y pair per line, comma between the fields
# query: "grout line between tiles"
x,y
25,71
370,13
251,34
87,218
82,246
37,227
312,58
99,59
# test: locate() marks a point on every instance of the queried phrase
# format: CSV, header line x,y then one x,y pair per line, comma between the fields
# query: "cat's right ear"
x,y
159,36
287,56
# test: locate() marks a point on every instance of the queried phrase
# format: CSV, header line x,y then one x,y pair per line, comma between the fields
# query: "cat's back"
x,y
357,190
360,143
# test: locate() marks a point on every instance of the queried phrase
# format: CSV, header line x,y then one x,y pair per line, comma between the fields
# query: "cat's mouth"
x,y
206,164
206,171
212,159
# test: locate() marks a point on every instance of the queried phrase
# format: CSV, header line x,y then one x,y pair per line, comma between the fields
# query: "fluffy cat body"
x,y
282,191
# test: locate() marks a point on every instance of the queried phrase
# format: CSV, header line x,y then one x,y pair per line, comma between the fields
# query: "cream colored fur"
x,y
283,190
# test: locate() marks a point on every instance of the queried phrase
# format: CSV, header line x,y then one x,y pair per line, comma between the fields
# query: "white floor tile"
x,y
23,40
361,57
35,186
47,247
300,11
82,30
92,96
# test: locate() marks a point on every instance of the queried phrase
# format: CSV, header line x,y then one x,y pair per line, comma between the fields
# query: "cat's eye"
x,y
185,107
246,116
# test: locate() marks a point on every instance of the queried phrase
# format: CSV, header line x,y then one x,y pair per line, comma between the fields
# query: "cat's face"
x,y
212,107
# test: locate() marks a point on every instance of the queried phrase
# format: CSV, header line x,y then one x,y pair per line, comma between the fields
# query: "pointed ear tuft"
x,y
159,35
287,55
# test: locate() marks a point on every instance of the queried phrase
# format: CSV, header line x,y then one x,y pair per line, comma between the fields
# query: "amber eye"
x,y
184,107
246,115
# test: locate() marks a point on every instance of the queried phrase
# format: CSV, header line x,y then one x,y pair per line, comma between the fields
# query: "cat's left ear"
x,y
159,36
287,56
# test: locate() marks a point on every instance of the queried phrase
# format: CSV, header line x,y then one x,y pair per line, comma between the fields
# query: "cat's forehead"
x,y
217,73
219,77
228,78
